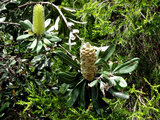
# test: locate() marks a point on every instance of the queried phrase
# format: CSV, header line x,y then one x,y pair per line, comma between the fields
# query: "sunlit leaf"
x,y
46,41
26,24
34,44
23,37
39,46
93,83
47,22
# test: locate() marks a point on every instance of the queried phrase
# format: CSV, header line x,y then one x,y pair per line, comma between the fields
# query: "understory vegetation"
x,y
80,59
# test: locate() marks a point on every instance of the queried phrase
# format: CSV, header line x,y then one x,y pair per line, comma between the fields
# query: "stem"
x,y
10,23
4,2
73,57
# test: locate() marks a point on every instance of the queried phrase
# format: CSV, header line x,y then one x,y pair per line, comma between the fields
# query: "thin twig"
x,y
143,15
73,57
10,23
4,2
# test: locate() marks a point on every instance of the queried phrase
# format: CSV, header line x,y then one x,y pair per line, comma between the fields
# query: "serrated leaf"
x,y
27,25
109,51
33,45
127,67
93,83
22,37
67,59
39,46
46,41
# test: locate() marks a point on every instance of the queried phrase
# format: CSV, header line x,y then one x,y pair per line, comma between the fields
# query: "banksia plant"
x,y
88,59
38,20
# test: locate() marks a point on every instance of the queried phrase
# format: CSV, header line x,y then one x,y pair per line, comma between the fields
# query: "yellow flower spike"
x,y
88,58
38,20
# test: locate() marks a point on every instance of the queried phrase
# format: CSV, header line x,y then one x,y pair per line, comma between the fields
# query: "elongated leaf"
x,y
67,77
47,22
127,67
119,80
101,61
4,106
34,44
107,54
119,94
66,59
55,39
2,19
27,25
73,97
63,88
39,47
46,41
94,95
82,95
93,83
22,37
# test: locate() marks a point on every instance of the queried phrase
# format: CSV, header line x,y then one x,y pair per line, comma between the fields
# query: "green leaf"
x,y
33,45
27,25
4,106
46,41
127,67
12,5
66,59
93,83
119,80
67,77
94,95
73,97
12,63
63,88
82,95
47,22
119,94
2,19
107,54
55,39
22,37
39,47
99,61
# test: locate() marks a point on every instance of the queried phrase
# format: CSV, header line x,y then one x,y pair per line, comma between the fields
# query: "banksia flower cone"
x,y
38,19
88,58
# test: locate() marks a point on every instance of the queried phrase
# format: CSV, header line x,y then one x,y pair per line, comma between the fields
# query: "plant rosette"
x,y
106,83
40,35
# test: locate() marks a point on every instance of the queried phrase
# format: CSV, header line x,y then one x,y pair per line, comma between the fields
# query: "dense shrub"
x,y
40,74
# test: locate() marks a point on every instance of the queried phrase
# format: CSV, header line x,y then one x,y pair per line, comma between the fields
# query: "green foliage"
x,y
44,104
40,75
